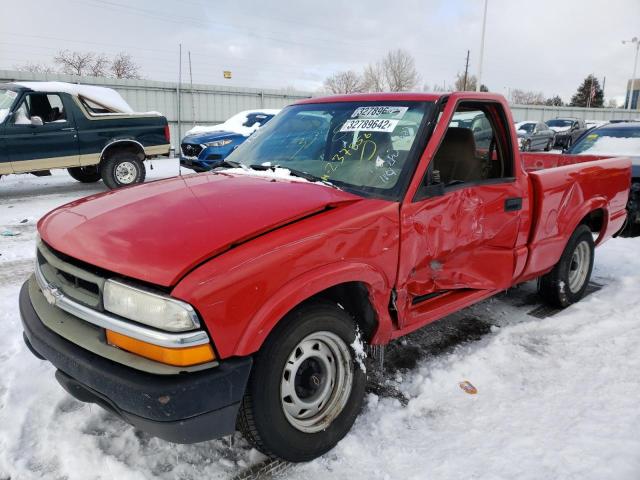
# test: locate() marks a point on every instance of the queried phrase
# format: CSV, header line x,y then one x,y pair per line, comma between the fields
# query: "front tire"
x,y
549,145
568,281
88,174
306,388
122,169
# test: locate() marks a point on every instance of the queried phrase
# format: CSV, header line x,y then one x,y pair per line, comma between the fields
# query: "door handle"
x,y
513,204
68,129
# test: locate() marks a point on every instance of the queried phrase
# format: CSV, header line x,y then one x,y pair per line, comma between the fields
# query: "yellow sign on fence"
x,y
227,73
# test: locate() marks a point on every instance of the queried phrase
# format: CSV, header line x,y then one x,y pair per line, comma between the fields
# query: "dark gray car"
x,y
567,130
534,136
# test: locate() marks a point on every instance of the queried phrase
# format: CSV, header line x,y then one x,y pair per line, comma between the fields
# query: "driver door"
x,y
463,239
41,134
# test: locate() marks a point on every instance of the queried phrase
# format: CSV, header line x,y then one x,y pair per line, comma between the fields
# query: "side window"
x,y
47,106
474,148
22,115
57,112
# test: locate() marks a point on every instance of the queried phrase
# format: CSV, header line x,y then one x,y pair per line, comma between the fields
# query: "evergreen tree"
x,y
581,97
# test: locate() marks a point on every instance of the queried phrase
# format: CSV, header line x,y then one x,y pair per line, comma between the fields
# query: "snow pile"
x,y
102,95
234,124
614,146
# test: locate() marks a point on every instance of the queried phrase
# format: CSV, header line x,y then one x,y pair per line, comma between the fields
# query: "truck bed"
x,y
564,190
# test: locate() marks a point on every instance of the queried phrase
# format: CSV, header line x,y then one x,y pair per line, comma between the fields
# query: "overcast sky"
x,y
541,45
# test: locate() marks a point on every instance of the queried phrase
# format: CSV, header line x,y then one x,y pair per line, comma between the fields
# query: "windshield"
x,y
609,141
526,127
368,148
559,123
7,97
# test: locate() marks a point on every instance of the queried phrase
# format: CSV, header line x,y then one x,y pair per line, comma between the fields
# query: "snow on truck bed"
x,y
557,397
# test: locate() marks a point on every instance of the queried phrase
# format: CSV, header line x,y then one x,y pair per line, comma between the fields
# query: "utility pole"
x,y
193,103
466,71
179,95
484,26
635,40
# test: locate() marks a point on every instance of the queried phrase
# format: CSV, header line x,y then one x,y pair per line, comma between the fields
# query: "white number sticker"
x,y
382,111
369,125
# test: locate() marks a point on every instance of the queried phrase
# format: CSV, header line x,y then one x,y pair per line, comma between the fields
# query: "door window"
x,y
473,148
47,106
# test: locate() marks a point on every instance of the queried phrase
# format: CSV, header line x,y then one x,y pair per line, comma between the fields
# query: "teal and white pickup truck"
x,y
91,131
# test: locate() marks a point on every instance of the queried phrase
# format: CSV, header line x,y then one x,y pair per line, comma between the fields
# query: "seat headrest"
x,y
460,136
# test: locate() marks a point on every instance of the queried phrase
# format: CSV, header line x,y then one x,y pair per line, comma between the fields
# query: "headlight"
x,y
150,308
218,143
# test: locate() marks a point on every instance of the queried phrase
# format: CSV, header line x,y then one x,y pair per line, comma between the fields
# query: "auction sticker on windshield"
x,y
369,125
382,111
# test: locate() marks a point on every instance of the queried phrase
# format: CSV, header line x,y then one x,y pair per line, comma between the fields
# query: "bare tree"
x,y
123,66
343,82
100,66
612,103
400,71
74,63
34,68
373,78
470,86
526,97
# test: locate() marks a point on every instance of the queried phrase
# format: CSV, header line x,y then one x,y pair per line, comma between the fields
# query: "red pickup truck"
x,y
243,297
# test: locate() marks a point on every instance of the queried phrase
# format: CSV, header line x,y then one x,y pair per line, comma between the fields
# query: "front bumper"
x,y
185,408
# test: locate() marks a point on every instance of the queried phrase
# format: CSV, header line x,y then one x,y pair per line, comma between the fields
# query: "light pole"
x,y
484,25
635,66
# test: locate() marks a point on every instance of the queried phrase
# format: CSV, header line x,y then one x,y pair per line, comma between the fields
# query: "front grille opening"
x,y
80,283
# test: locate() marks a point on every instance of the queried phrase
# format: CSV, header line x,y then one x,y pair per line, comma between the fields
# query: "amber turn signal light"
x,y
179,357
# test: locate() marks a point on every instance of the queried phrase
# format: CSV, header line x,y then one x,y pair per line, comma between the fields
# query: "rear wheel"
x,y
567,282
122,169
88,174
306,387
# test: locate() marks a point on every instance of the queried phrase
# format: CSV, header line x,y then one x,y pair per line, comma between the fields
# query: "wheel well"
x,y
123,146
594,220
353,297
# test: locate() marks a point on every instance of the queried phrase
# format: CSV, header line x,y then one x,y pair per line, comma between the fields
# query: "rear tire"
x,y
88,174
122,169
306,388
568,281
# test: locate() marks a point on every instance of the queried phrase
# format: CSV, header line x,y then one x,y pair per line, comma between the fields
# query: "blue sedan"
x,y
204,148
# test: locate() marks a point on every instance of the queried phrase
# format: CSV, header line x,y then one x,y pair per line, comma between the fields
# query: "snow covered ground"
x,y
557,397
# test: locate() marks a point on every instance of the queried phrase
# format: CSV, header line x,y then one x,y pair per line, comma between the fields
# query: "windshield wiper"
x,y
228,164
295,173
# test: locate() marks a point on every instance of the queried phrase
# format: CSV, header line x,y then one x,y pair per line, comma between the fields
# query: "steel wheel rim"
x,y
579,267
316,381
126,173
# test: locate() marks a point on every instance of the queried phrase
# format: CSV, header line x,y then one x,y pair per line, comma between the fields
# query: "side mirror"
x,y
36,121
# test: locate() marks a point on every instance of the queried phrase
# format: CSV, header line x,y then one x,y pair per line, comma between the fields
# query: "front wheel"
x,y
306,387
567,282
88,174
549,145
122,169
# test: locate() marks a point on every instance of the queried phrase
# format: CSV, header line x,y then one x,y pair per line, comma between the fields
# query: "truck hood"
x,y
159,231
